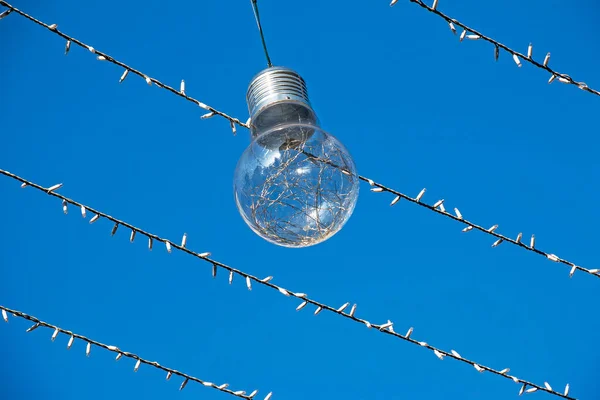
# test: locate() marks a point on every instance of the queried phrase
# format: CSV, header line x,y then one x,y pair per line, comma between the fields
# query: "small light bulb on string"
x,y
517,60
125,73
183,384
546,59
452,27
5,13
54,187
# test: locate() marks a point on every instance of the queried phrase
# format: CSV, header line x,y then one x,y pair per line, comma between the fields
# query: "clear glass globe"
x,y
296,185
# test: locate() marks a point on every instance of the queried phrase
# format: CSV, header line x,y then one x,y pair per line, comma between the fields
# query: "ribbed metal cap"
x,y
277,96
275,84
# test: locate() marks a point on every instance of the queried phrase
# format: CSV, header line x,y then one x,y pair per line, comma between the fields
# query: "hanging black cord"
x,y
260,30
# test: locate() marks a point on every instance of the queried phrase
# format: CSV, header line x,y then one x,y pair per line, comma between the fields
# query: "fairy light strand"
x,y
440,209
472,34
90,343
386,328
128,70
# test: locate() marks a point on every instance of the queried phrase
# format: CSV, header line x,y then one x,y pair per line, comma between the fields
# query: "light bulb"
x,y
295,185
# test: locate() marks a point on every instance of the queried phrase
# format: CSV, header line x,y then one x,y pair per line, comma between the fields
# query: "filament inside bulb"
x,y
290,188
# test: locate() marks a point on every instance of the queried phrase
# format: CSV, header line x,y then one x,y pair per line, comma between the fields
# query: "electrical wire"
x,y
440,209
105,57
472,34
260,30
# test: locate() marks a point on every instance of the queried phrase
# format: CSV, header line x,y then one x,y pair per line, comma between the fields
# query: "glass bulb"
x,y
295,185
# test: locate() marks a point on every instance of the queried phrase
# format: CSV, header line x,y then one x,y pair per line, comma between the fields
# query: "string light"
x,y
471,226
417,200
305,300
120,353
439,208
127,69
517,56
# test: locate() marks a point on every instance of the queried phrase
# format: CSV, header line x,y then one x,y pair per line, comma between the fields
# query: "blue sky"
x,y
415,107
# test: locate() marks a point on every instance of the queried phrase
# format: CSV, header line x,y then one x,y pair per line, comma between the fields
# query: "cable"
x,y
386,328
260,30
517,57
105,57
120,353
439,208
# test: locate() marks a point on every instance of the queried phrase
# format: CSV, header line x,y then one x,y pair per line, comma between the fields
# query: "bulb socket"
x,y
275,96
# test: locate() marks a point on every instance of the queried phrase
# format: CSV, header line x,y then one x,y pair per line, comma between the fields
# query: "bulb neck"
x,y
277,96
